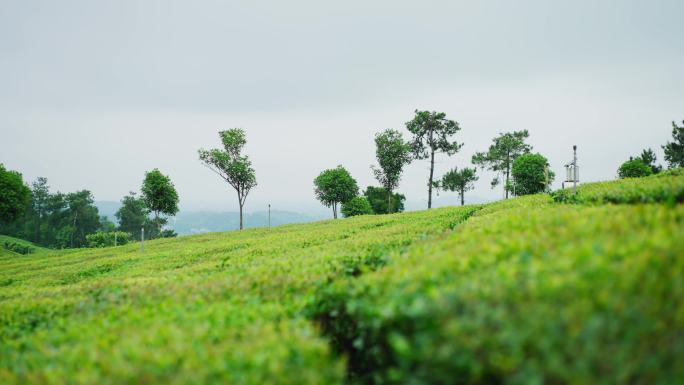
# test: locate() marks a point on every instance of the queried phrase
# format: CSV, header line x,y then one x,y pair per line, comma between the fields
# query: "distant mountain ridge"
x,y
195,222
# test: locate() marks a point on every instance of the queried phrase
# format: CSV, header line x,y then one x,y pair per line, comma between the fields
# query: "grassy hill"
x,y
8,247
540,289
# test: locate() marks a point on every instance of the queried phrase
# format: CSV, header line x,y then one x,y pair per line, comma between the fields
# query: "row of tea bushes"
x,y
666,187
528,293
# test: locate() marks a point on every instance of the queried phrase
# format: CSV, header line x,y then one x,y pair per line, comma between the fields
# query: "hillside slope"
x,y
523,291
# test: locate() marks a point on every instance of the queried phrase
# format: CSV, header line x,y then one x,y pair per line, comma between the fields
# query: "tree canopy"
x,y
84,218
531,174
648,157
160,197
335,186
233,167
14,195
377,197
674,151
460,181
356,206
133,215
502,152
432,133
634,168
392,154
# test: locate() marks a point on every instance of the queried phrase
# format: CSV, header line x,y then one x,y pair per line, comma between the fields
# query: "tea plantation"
x,y
557,289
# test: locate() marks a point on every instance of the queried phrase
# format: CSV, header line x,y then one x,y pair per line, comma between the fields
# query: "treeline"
x,y
71,220
517,168
431,133
645,163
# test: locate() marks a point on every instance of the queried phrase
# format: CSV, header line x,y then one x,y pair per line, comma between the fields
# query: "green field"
x,y
539,289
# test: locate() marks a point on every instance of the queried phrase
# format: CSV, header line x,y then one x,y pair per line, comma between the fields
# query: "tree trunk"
x,y
73,230
241,215
432,172
508,167
462,200
156,219
334,210
389,201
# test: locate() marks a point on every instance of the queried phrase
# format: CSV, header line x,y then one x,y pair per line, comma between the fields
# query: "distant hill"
x,y
195,222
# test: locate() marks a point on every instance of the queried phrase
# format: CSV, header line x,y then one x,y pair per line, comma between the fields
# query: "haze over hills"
x,y
206,220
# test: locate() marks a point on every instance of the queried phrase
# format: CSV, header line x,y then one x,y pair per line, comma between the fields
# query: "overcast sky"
x,y
94,93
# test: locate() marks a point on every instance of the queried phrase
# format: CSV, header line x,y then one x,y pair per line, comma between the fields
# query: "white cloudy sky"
x,y
94,93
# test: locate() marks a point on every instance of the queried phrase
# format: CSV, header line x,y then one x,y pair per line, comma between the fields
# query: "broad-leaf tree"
x,y
231,165
674,151
634,168
648,157
14,195
377,196
460,181
531,174
160,197
432,134
335,186
392,154
501,154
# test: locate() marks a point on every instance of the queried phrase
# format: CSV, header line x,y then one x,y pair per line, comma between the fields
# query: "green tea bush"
x,y
666,187
105,239
209,309
17,247
526,295
356,206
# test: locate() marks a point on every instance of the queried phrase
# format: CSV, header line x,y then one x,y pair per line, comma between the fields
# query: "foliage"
x,y
55,220
334,186
229,163
14,195
432,133
519,291
356,206
502,152
377,197
221,308
83,219
133,215
648,156
666,187
634,168
106,239
16,247
674,151
392,154
168,233
508,299
531,174
38,211
459,180
160,197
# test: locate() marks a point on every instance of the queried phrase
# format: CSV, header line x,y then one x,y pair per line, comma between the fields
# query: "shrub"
x,y
102,239
508,299
531,174
665,187
634,168
18,247
356,206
